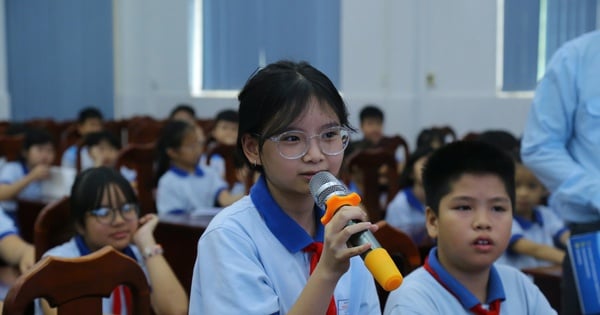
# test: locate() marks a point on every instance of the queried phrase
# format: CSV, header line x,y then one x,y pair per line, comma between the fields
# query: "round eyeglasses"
x,y
294,144
107,215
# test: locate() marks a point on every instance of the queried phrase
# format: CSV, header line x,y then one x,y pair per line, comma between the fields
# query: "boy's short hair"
x,y
371,111
229,115
447,164
95,138
36,136
89,113
183,108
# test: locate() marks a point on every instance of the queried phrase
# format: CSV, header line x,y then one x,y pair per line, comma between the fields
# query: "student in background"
x,y
224,132
22,179
183,112
88,121
184,185
261,254
407,210
104,147
105,211
536,228
17,255
469,186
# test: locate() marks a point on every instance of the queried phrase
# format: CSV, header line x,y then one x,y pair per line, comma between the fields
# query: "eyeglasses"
x,y
107,215
294,144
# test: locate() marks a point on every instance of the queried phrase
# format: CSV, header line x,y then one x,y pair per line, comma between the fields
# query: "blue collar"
x,y
84,250
24,167
183,173
413,201
466,298
287,231
526,224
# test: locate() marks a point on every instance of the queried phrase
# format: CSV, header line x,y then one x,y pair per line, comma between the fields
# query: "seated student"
x,y
224,132
185,112
22,179
184,185
105,211
103,148
17,256
536,228
262,255
88,121
407,210
470,193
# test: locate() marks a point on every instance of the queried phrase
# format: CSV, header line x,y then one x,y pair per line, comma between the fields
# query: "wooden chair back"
x,y
141,158
364,166
52,226
143,130
77,285
11,147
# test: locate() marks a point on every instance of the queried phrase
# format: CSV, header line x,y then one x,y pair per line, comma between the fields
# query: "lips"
x,y
120,235
483,244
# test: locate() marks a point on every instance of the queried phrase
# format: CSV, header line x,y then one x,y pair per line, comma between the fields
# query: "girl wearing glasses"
x,y
262,255
105,211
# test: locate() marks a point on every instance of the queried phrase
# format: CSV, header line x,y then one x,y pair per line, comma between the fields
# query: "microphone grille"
x,y
322,185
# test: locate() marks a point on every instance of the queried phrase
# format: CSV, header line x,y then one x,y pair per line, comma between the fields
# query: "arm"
x,y
226,198
167,295
16,251
524,246
10,191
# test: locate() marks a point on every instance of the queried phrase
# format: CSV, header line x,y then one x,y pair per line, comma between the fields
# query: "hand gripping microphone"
x,y
330,194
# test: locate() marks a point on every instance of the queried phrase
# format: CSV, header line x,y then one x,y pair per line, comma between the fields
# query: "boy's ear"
x,y
250,146
431,222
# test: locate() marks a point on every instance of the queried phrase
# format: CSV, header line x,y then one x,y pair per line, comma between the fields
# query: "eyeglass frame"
x,y
277,139
113,213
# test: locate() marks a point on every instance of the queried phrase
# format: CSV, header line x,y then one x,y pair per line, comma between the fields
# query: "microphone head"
x,y
323,185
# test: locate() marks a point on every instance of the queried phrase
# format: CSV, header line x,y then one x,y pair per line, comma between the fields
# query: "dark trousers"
x,y
569,299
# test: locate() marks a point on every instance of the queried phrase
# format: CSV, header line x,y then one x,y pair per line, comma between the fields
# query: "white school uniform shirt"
x,y
422,293
405,212
250,261
69,158
181,192
12,172
76,247
7,227
546,228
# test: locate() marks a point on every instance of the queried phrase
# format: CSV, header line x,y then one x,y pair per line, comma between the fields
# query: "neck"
x,y
300,207
187,168
476,281
419,192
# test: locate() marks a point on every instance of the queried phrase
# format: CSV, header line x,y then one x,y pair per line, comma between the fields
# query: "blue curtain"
x,y
567,20
241,35
60,57
521,28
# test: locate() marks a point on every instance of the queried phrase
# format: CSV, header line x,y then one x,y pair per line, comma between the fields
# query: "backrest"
x,y
364,166
141,158
143,129
52,226
11,146
77,285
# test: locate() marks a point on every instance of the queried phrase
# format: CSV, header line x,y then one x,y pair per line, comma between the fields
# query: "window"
x,y
530,32
233,38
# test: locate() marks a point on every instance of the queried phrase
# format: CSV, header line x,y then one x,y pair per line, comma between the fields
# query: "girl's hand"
x,y
27,259
144,236
335,259
39,172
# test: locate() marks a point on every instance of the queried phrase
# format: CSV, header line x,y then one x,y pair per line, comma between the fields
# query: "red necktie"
x,y
494,309
316,248
117,300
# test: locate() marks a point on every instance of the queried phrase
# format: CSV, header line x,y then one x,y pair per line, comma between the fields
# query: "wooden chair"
x,y
140,157
143,130
364,166
11,146
52,226
77,285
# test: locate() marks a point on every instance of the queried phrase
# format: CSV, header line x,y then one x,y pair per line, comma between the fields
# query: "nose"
x,y
481,220
313,153
118,218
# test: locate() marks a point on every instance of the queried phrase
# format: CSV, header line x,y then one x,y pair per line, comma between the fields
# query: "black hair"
x,y
447,164
371,111
96,138
89,113
503,139
407,178
183,108
36,136
277,95
229,115
89,187
431,137
171,137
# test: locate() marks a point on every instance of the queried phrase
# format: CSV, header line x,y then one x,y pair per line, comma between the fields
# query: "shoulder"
x,y
67,250
420,286
240,219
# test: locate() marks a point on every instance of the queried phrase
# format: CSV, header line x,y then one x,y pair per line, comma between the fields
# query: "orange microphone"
x,y
330,194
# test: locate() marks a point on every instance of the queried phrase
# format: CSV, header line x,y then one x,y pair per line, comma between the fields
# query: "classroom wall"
x,y
388,48
4,96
